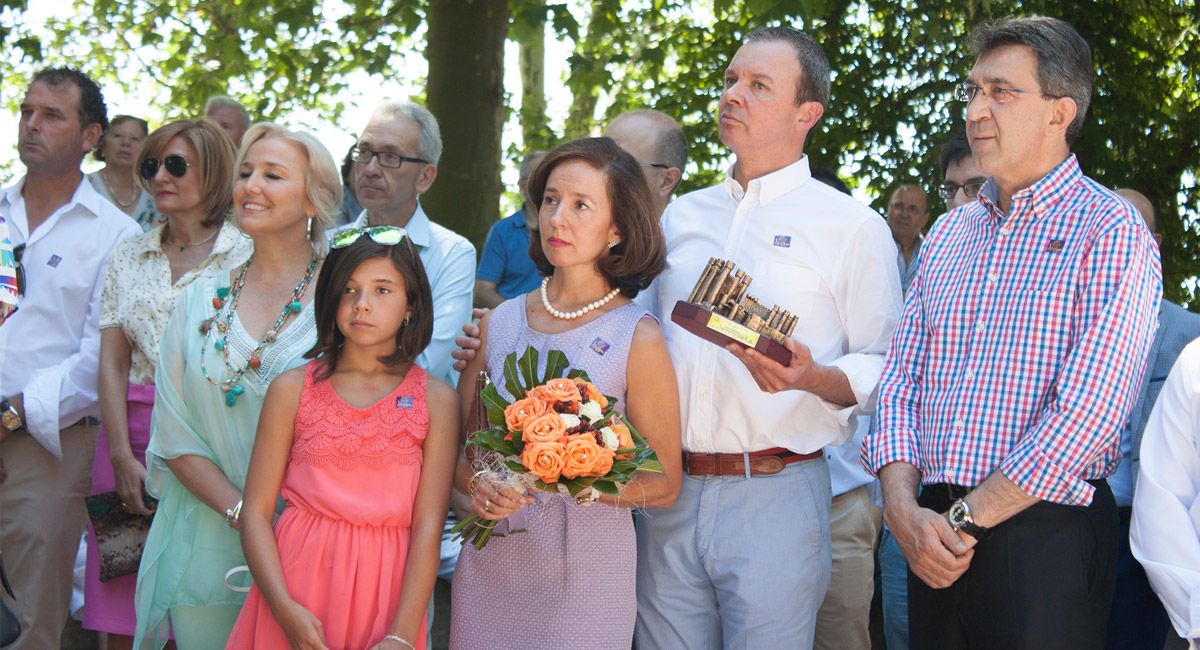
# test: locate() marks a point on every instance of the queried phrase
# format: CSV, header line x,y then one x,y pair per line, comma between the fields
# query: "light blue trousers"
x,y
736,563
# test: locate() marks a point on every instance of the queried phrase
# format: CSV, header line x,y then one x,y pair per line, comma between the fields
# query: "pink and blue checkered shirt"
x,y
1023,339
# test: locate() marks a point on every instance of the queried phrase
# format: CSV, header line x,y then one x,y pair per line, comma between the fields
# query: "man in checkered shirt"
x,y
1015,364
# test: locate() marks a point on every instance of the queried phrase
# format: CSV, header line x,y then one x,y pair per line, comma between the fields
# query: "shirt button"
x,y
1004,231
993,277
980,327
959,425
970,375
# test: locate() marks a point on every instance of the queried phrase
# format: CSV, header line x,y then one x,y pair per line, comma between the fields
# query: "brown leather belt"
x,y
762,463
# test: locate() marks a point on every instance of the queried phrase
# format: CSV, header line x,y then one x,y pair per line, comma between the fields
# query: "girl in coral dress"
x,y
361,444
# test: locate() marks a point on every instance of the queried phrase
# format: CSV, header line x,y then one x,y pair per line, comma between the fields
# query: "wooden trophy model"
x,y
719,310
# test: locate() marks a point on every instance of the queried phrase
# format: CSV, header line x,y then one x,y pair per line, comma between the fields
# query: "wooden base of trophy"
x,y
717,329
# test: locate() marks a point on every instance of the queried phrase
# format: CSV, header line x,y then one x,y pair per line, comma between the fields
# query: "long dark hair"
x,y
341,263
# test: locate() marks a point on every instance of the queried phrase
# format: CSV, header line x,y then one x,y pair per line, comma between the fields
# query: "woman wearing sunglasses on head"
x,y
194,190
229,336
117,180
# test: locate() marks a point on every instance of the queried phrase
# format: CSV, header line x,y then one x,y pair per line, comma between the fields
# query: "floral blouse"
x,y
138,293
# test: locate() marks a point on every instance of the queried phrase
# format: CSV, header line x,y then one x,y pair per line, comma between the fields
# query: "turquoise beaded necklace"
x,y
225,303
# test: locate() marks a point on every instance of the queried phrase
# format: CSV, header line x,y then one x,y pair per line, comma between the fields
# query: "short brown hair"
x,y
214,153
411,339
639,257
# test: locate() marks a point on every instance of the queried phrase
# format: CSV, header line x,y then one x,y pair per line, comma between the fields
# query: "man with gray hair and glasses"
x,y
1015,366
395,161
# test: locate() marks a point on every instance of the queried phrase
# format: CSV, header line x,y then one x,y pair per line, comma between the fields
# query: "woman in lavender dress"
x,y
569,579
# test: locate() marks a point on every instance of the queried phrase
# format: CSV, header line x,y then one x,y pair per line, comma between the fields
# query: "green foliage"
x,y
276,56
895,63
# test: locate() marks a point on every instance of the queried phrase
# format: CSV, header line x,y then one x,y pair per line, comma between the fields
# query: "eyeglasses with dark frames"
x,y
388,159
971,188
176,165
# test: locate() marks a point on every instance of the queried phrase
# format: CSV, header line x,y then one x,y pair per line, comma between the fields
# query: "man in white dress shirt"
x,y
743,558
50,347
1165,532
395,161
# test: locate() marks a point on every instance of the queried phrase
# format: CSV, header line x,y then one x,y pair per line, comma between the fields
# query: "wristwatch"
x,y
959,516
9,416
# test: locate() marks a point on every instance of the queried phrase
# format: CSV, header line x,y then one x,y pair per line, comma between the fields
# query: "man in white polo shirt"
x,y
50,347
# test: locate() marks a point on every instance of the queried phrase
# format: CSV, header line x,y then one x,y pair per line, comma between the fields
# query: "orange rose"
x,y
547,427
624,438
518,414
558,390
590,392
585,457
544,460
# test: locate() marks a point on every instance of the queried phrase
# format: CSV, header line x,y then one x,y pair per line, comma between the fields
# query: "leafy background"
x,y
895,64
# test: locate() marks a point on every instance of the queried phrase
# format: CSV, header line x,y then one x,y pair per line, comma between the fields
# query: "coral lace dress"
x,y
343,536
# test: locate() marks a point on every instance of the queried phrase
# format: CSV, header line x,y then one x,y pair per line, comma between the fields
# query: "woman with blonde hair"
x,y
187,166
230,335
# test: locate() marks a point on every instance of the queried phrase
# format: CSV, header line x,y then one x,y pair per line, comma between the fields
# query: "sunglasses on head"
x,y
176,166
386,235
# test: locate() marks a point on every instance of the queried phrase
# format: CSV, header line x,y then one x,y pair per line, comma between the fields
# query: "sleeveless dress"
x,y
569,580
349,488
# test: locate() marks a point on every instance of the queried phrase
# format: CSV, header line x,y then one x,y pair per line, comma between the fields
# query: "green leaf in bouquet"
x,y
493,440
651,465
495,405
605,486
576,485
527,366
512,380
556,363
579,374
516,466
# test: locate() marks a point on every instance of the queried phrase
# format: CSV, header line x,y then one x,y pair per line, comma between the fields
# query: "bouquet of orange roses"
x,y
560,435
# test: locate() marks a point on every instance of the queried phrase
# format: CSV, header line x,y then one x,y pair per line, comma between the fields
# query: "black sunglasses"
x,y
18,251
176,166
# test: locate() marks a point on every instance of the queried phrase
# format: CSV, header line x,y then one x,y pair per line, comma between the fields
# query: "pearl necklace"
x,y
571,315
134,191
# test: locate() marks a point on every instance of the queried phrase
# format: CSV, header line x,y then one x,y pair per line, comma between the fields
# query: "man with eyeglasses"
x,y
50,347
395,161
961,178
1014,367
656,141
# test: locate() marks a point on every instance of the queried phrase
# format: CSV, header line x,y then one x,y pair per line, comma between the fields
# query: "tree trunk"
x,y
465,90
529,31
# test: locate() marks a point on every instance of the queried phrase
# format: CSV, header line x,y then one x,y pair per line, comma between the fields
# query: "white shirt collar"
x,y
770,186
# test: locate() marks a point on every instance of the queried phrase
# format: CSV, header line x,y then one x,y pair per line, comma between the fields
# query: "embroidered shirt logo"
x,y
600,346
404,402
53,261
783,241
1055,246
